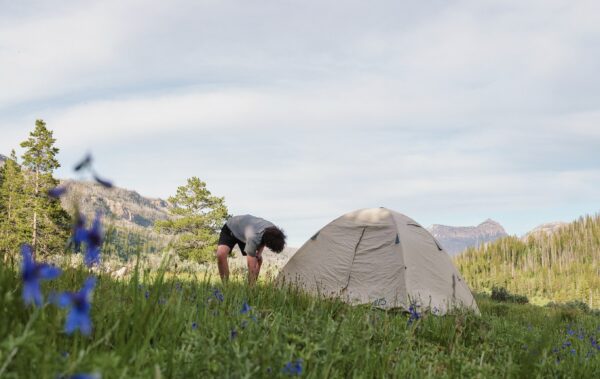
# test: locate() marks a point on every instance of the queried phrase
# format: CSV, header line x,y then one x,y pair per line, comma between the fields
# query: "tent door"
x,y
353,258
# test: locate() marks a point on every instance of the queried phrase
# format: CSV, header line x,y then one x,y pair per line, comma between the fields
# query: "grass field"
x,y
151,327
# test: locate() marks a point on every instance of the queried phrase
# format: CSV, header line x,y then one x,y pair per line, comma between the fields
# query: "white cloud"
x,y
473,107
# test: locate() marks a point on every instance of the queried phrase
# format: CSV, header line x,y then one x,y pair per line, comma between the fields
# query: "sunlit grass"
x,y
154,324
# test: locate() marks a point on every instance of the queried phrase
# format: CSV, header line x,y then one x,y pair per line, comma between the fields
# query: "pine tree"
x,y
198,216
14,227
49,221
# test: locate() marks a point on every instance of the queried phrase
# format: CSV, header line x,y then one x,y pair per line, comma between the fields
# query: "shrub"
x,y
502,294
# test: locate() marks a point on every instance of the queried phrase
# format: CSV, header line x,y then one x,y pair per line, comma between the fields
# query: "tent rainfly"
x,y
379,257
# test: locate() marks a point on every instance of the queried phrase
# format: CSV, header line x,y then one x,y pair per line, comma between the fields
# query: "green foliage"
x,y
182,330
563,266
50,223
14,223
126,243
198,217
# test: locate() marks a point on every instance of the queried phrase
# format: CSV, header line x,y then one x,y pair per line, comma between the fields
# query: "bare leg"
x,y
254,264
222,254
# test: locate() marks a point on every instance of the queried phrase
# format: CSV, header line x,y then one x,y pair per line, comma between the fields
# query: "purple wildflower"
x,y
79,304
85,162
57,192
194,325
595,343
147,294
32,273
245,308
218,295
293,368
103,182
414,314
79,231
94,243
233,334
85,376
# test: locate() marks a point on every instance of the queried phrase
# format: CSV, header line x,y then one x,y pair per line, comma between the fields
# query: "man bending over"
x,y
251,234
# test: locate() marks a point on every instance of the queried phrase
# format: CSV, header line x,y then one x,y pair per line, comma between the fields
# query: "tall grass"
x,y
154,325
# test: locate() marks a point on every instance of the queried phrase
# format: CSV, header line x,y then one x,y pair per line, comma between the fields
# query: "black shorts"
x,y
227,238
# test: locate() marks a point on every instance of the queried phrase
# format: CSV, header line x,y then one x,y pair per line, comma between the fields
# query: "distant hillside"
x,y
456,239
128,216
123,207
560,266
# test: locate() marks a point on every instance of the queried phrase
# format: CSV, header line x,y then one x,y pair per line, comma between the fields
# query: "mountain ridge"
x,y
456,239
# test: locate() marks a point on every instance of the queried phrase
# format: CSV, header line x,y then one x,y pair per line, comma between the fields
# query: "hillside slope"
x,y
561,266
123,207
128,216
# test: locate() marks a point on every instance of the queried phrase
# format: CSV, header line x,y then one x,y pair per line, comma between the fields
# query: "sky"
x,y
450,112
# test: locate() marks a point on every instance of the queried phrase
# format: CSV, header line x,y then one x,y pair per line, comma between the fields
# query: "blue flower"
x,y
84,163
79,304
573,351
245,308
293,368
94,243
57,192
32,273
218,295
570,332
93,238
147,294
194,326
233,334
85,376
102,182
79,231
414,314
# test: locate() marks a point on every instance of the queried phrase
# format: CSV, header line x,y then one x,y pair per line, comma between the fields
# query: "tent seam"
x,y
353,258
401,252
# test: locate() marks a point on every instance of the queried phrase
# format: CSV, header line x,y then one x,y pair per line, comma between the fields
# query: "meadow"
x,y
156,325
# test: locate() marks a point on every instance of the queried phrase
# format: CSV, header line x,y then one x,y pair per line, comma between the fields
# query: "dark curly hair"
x,y
274,239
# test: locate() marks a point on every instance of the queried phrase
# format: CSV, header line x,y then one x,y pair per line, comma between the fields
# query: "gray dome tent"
x,y
380,257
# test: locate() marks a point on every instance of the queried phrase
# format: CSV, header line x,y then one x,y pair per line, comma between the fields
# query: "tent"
x,y
379,257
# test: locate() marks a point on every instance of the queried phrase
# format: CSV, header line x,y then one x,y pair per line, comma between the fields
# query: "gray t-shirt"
x,y
248,229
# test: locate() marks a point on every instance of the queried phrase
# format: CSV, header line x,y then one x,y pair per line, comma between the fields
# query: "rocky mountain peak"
x,y
458,238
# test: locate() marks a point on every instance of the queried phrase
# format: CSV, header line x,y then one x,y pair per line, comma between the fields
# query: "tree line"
x,y
561,266
28,215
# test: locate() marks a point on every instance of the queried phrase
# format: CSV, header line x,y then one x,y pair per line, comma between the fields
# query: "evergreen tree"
x,y
198,217
14,227
561,266
49,221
